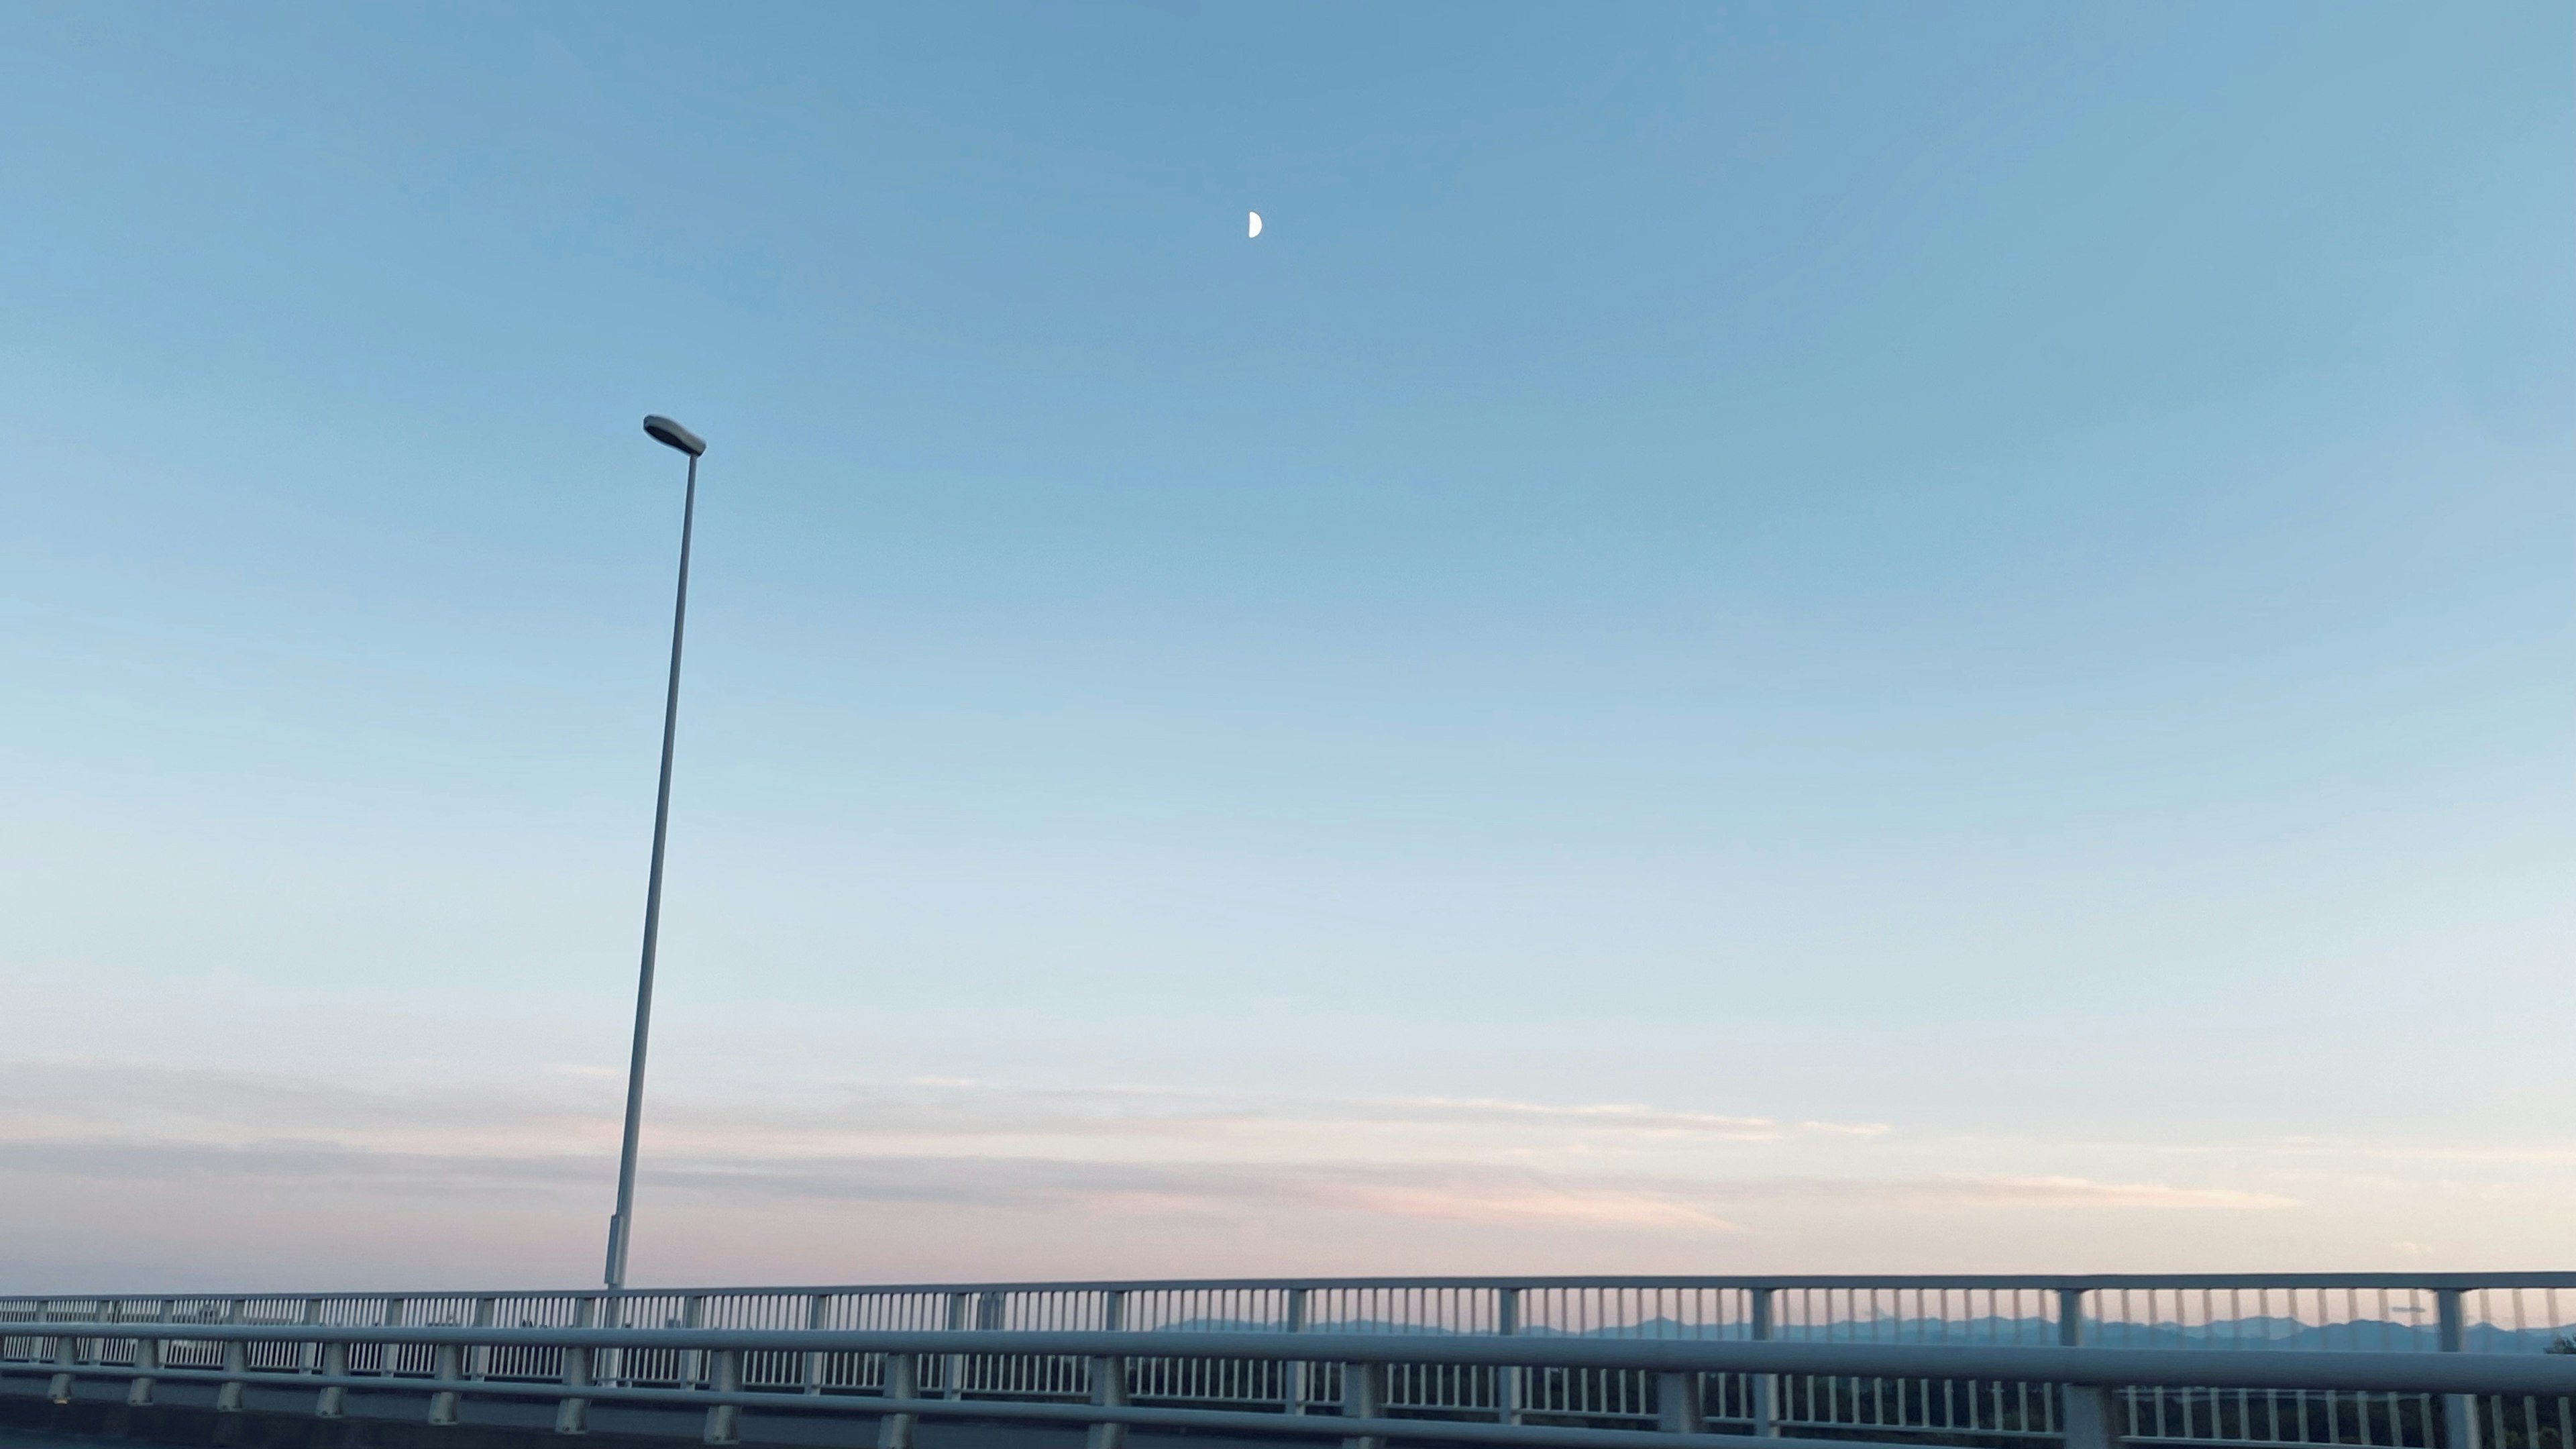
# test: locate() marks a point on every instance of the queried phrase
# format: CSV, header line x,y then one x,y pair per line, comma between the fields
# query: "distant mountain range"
x,y
2245,1333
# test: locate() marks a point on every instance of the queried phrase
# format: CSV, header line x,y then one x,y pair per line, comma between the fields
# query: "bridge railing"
x,y
2494,1314
2379,1312
1687,1391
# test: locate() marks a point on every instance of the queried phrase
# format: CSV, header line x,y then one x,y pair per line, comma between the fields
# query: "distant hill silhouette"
x,y
2247,1333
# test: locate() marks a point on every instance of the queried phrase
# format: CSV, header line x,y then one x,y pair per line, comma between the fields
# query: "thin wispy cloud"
x,y
540,1111
1615,1117
994,1146
849,1181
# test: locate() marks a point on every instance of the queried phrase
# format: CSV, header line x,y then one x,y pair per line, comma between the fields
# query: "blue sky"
x,y
1777,637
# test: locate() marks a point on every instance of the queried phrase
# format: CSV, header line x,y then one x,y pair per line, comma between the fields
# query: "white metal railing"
x,y
2493,1314
2086,1398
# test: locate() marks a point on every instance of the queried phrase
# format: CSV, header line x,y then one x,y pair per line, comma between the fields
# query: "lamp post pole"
x,y
621,1227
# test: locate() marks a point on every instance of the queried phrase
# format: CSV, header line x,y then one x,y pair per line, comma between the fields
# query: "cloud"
x,y
1440,1191
1445,1192
289,1161
1484,1181
556,1109
1610,1117
2082,1192
1990,1190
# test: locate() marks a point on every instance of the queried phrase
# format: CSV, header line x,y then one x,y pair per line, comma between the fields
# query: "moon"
x,y
1256,225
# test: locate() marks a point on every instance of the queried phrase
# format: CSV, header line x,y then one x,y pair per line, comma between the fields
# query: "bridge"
x,y
2390,1361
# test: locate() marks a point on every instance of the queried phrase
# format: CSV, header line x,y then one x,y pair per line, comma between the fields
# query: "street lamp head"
x,y
671,434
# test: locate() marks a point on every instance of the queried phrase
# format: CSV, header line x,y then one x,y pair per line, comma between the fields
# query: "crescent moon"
x,y
1256,225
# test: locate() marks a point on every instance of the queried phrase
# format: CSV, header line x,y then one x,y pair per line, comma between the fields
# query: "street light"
x,y
620,1227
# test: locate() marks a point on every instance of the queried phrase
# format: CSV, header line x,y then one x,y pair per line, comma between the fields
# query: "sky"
x,y
1748,638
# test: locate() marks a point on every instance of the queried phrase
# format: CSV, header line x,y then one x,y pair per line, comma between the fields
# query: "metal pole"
x,y
621,1226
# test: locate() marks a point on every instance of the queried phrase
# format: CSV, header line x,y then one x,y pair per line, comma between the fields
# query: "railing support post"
x,y
1292,1375
724,1421
953,1366
147,1364
449,1368
1363,1397
902,1381
1510,1379
66,1354
1764,1389
1108,1391
147,1360
693,1361
1677,1405
478,1359
608,1310
2088,1416
329,1403
228,1394
572,1414
388,1355
2459,1411
816,1306
2085,1414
